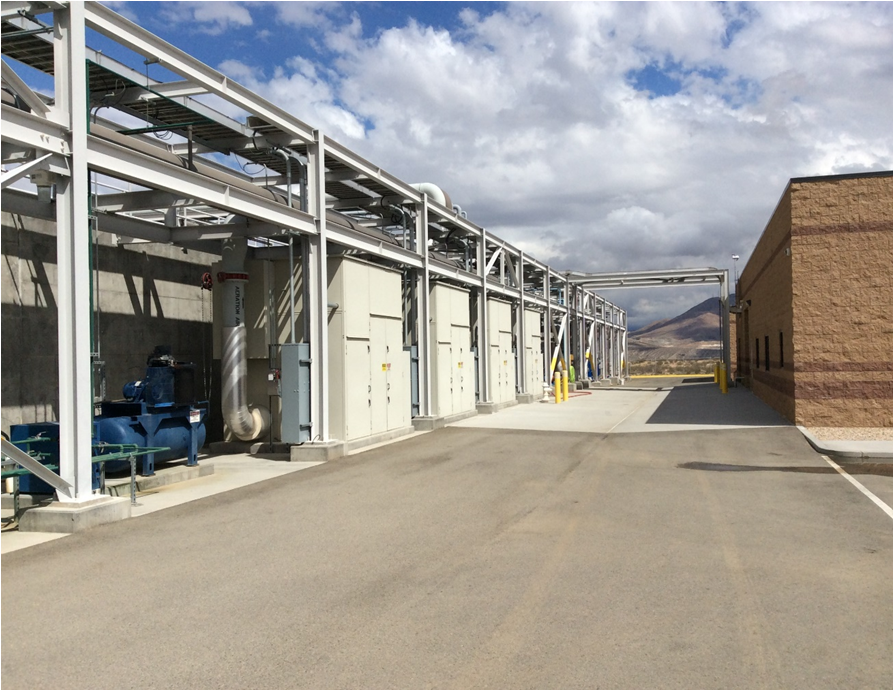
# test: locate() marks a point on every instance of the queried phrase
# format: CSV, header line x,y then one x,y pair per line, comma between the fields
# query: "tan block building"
x,y
814,323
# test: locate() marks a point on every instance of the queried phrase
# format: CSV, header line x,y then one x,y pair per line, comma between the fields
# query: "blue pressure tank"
x,y
171,428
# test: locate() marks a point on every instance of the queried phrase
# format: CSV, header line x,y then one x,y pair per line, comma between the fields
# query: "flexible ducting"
x,y
246,422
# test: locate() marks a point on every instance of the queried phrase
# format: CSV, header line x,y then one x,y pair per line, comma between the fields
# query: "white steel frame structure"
x,y
670,278
187,198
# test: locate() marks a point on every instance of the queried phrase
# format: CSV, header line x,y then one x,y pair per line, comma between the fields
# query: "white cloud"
x,y
528,116
313,14
212,18
122,8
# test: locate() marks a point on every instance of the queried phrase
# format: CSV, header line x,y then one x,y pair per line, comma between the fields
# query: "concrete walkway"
x,y
673,408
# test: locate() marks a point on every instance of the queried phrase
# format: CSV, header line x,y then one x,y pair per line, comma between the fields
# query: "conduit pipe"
x,y
288,159
246,422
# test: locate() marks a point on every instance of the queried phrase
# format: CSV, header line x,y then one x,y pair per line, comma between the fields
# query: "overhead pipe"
x,y
434,192
246,422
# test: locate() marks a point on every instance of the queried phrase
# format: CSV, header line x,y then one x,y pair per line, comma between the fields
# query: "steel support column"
x,y
318,282
423,310
547,330
521,335
724,322
566,341
73,261
483,342
625,370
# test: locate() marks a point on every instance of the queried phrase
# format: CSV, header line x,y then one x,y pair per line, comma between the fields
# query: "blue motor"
x,y
158,410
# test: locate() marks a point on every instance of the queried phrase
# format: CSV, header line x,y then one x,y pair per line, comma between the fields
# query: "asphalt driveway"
x,y
721,557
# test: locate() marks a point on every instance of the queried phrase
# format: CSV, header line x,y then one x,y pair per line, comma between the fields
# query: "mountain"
x,y
693,335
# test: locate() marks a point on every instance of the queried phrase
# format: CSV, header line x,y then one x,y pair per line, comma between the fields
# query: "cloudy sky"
x,y
596,136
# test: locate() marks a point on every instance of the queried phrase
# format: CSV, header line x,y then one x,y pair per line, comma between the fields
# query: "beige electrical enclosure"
x,y
533,354
452,361
501,377
369,371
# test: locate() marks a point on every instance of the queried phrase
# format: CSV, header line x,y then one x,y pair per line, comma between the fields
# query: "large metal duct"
x,y
246,422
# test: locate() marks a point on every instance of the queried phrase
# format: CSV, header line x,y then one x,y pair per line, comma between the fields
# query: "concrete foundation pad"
x,y
489,408
59,517
317,452
378,438
330,451
525,398
427,424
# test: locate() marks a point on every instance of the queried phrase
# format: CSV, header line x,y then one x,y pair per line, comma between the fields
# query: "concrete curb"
x,y
879,451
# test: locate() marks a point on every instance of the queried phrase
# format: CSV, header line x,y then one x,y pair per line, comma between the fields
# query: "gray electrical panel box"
x,y
295,383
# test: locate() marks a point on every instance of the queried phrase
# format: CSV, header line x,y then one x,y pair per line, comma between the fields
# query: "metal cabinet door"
x,y
398,378
443,379
359,404
463,375
379,364
507,365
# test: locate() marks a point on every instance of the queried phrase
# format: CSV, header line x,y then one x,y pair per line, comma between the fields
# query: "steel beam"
x,y
358,240
34,132
125,32
36,468
127,164
33,101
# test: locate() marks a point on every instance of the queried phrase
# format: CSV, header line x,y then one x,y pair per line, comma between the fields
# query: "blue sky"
x,y
595,136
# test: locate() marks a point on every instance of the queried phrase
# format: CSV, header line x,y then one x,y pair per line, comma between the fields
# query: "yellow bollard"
x,y
724,384
716,372
565,385
557,387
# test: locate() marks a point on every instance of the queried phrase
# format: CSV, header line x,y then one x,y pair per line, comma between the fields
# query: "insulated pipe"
x,y
246,422
434,192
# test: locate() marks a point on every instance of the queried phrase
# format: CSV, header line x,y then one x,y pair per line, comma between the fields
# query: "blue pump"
x,y
159,410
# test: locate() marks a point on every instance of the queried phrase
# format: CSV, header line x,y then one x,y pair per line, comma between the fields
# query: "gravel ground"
x,y
852,433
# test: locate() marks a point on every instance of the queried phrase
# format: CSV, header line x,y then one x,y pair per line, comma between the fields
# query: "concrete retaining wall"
x,y
146,295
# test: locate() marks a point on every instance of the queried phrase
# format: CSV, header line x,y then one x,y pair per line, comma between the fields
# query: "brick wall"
x,y
819,284
842,296
765,287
